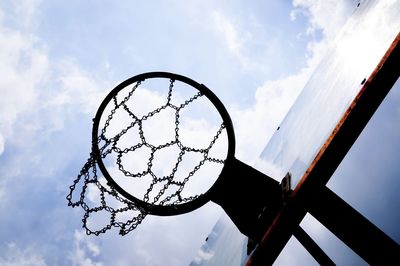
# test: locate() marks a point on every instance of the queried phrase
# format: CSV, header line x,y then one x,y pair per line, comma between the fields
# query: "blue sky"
x,y
59,59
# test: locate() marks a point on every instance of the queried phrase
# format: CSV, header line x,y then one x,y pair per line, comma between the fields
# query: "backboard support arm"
x,y
358,233
308,243
250,198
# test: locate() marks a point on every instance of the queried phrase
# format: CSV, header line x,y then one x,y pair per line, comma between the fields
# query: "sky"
x,y
59,59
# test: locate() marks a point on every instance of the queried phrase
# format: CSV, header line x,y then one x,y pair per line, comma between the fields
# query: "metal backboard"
x,y
334,85
224,246
325,112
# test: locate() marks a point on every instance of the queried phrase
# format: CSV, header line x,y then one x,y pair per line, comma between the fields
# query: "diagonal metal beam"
x,y
308,243
362,236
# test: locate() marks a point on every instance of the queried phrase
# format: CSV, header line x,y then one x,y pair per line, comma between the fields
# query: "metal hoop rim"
x,y
163,210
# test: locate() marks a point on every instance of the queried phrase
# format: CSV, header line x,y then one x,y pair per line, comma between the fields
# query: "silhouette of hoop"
x,y
145,206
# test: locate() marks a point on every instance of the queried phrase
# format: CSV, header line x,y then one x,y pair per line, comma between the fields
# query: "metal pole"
x,y
362,236
308,243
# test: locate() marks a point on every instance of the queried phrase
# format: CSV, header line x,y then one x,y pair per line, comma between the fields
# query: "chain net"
x,y
94,195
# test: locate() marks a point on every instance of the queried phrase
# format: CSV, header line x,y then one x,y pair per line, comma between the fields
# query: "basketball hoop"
x,y
187,120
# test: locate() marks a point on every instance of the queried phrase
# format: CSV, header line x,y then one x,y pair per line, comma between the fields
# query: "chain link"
x,y
108,145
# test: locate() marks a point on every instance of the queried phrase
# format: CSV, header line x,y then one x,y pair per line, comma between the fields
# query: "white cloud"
x,y
85,251
25,11
2,193
36,93
77,88
37,96
235,40
15,256
1,144
256,124
24,66
203,255
328,16
325,16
